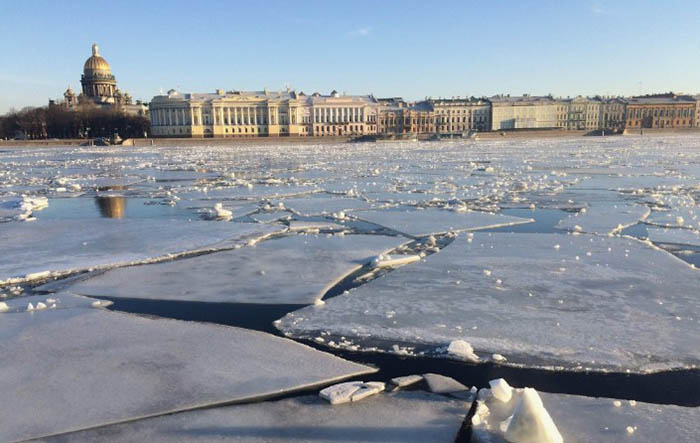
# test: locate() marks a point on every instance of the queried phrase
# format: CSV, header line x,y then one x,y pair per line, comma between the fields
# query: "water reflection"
x,y
111,206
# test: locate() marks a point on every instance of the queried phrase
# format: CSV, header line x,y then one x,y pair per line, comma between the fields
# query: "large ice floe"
x,y
60,246
528,416
76,368
433,221
297,269
604,219
549,300
409,416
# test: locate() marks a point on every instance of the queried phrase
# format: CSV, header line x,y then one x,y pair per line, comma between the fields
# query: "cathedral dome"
x,y
96,64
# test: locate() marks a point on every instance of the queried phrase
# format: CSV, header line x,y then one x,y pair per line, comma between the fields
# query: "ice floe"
x,y
60,246
78,368
433,221
295,269
407,416
549,300
674,236
604,219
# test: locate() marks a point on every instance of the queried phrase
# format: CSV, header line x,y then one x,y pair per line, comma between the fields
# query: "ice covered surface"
x,y
322,205
591,420
434,221
78,368
67,245
295,269
674,236
604,219
21,208
413,416
61,300
550,300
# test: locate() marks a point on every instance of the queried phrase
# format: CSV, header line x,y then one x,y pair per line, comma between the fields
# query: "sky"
x,y
412,49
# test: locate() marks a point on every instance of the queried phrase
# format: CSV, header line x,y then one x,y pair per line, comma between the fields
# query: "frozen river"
x,y
215,276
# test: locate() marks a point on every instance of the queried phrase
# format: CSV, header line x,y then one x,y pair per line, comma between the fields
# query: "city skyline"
x,y
389,49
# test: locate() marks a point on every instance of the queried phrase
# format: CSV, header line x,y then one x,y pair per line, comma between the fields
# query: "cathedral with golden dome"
x,y
99,88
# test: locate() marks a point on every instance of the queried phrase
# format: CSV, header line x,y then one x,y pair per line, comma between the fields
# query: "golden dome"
x,y
96,63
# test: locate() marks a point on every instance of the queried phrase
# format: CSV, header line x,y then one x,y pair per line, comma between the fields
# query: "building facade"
x,y
661,111
261,113
613,112
458,116
524,112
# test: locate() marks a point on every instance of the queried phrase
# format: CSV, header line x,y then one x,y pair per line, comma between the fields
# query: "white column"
x,y
221,115
170,117
191,116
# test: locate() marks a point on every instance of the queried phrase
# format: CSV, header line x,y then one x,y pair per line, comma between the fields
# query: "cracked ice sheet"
x,y
675,236
404,416
604,219
314,205
528,297
434,221
597,420
78,368
296,269
70,245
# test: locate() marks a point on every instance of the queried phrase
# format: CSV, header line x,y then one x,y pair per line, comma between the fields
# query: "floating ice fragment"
x,y
341,392
440,384
406,380
463,350
501,390
531,423
3,307
30,306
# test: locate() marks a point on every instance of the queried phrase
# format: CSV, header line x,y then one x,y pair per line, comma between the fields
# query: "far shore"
x,y
494,135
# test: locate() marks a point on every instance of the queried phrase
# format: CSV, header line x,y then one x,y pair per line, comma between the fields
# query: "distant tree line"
x,y
61,122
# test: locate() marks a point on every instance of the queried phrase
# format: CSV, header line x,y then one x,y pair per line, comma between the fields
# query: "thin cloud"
x,y
598,8
359,32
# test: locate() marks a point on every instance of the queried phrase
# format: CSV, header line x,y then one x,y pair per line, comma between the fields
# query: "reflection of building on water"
x,y
111,207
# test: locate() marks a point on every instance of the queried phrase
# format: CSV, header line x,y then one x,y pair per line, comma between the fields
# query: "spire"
x,y
95,49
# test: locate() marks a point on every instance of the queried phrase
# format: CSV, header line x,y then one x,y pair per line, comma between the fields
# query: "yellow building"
x,y
260,114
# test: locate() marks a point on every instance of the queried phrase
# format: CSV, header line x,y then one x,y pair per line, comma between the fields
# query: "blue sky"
x,y
390,48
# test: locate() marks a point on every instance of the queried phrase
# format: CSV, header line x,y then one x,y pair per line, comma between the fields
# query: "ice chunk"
x,y
4,307
531,423
463,350
501,390
549,309
590,420
104,369
441,384
432,221
341,393
295,269
409,416
407,380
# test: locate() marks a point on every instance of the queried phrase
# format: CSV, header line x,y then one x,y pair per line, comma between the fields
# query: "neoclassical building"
x,y
261,113
99,88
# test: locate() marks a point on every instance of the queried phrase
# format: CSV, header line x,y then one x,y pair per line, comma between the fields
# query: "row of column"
x,y
244,115
176,116
339,115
